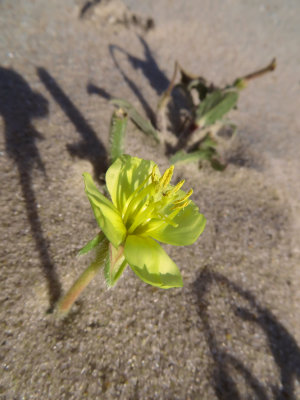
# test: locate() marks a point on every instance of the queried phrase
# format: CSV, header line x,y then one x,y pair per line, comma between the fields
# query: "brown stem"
x,y
167,94
261,71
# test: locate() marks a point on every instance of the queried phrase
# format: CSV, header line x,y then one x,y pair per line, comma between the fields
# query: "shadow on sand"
x,y
19,105
282,345
149,67
90,147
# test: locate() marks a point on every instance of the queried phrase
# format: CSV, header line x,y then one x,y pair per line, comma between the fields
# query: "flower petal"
x,y
190,226
106,214
124,176
151,263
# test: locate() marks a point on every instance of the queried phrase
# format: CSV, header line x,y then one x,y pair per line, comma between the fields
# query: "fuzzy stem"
x,y
84,279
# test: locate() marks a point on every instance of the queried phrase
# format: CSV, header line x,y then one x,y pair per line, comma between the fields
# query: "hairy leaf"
x,y
215,106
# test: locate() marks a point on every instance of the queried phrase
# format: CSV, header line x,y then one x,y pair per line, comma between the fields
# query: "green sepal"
x,y
114,265
142,123
215,106
91,244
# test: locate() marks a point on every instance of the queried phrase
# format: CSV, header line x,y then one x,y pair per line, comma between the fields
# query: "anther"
x,y
175,189
181,206
154,177
166,178
184,198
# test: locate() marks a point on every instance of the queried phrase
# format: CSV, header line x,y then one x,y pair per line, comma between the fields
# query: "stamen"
x,y
184,198
168,220
165,179
144,195
181,206
154,177
143,215
148,207
133,194
175,189
152,225
149,210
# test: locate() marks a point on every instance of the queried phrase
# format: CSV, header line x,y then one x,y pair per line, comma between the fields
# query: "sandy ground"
x,y
233,331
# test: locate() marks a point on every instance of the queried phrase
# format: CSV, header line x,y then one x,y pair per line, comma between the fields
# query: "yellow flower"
x,y
145,208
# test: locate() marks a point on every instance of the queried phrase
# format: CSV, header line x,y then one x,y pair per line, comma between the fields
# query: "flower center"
x,y
154,204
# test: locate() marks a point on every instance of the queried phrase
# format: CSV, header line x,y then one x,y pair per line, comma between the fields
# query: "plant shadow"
x,y
282,345
90,147
93,89
19,106
150,69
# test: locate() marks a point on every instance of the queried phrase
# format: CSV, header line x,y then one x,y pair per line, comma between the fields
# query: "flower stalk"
x,y
84,279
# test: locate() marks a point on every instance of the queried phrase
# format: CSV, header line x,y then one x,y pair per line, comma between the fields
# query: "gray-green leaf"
x,y
183,157
215,106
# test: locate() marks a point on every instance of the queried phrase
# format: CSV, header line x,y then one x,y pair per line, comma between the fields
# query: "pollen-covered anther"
x,y
154,177
175,189
184,198
166,178
180,206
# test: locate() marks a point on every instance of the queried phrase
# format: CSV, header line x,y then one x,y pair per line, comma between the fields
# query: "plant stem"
x,y
65,304
261,72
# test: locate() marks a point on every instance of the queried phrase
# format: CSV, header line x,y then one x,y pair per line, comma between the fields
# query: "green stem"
x,y
84,279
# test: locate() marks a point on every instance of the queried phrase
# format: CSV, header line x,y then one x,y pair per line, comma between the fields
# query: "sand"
x,y
233,331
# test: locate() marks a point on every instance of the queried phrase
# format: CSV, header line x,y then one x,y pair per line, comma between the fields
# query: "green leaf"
x,y
151,263
215,106
117,131
142,123
106,214
183,157
91,244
